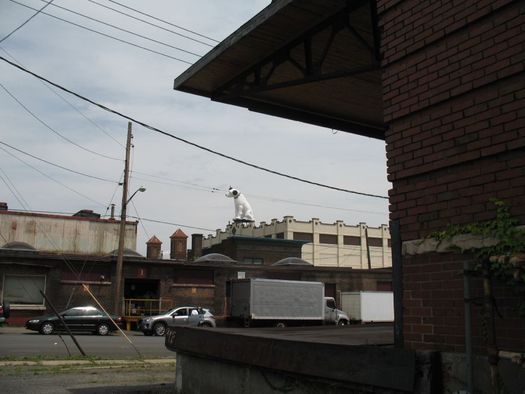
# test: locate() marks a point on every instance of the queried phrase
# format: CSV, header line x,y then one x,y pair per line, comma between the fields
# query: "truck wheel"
x,y
280,324
159,329
246,323
342,322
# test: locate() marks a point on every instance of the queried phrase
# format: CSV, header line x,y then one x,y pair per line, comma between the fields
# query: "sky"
x,y
61,154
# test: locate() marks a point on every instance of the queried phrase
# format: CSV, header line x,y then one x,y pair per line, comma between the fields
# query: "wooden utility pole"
x,y
122,230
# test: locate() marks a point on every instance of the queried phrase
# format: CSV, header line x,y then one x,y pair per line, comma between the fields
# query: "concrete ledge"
x,y
461,243
291,351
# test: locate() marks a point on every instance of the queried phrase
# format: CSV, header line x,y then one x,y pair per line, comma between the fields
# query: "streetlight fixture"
x,y
141,189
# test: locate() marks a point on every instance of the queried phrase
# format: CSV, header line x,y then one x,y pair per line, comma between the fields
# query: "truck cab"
x,y
332,315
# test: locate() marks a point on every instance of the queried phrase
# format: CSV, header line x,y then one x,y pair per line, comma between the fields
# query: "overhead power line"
x,y
57,165
52,129
49,177
126,30
26,22
12,188
170,223
105,35
149,23
67,102
163,21
217,153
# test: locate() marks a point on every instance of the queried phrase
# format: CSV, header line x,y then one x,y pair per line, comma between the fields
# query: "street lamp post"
x,y
122,228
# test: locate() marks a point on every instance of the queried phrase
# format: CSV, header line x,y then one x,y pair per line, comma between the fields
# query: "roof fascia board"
x,y
363,129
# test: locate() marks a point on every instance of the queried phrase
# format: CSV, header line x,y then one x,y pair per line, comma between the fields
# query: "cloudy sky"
x,y
128,63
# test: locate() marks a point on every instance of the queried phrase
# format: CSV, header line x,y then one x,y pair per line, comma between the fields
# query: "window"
x,y
75,312
24,290
350,240
279,235
181,312
375,242
303,237
328,239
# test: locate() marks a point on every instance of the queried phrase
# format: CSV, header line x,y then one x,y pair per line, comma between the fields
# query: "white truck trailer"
x,y
368,306
281,303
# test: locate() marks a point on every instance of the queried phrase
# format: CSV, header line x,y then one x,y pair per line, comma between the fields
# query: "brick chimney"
x,y
196,246
179,242
153,249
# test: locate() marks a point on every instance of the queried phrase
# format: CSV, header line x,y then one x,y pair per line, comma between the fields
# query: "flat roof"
x,y
314,61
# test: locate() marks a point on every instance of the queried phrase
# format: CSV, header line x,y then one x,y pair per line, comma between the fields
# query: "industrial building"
x,y
325,244
32,260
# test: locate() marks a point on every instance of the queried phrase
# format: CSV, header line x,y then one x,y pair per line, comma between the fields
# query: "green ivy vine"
x,y
505,258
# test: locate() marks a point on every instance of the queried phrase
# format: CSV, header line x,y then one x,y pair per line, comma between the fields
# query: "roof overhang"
x,y
315,61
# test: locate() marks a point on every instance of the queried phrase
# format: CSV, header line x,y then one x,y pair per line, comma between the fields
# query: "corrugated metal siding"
x,y
287,300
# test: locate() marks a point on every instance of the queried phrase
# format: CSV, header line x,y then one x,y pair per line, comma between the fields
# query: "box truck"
x,y
368,306
280,303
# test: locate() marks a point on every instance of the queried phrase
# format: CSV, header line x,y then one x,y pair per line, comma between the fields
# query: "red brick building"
x,y
454,99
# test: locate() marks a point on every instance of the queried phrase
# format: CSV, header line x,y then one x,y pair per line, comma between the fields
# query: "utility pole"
x,y
122,230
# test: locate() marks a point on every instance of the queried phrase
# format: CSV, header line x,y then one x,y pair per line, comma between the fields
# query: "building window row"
x,y
332,239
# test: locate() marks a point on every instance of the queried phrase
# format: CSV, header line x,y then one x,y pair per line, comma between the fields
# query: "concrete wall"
x,y
66,234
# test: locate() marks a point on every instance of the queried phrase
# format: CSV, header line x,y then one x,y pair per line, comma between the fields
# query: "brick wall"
x,y
434,308
454,99
454,96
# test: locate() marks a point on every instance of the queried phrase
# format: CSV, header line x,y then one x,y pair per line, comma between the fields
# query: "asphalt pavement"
x,y
17,342
51,364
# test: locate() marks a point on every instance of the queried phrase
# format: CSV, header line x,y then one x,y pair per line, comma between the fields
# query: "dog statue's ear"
x,y
230,188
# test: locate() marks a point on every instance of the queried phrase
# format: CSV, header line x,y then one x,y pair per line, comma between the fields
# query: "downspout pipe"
x,y
397,282
468,327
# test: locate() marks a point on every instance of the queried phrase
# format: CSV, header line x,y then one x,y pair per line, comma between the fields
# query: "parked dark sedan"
x,y
82,318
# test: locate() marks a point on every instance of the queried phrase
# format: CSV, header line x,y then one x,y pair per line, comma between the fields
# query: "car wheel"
x,y
47,328
342,322
103,329
280,325
159,329
206,324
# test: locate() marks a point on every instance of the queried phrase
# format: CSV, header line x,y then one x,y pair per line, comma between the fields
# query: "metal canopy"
x,y
314,61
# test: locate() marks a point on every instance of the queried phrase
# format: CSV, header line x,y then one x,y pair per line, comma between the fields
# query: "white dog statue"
x,y
243,210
